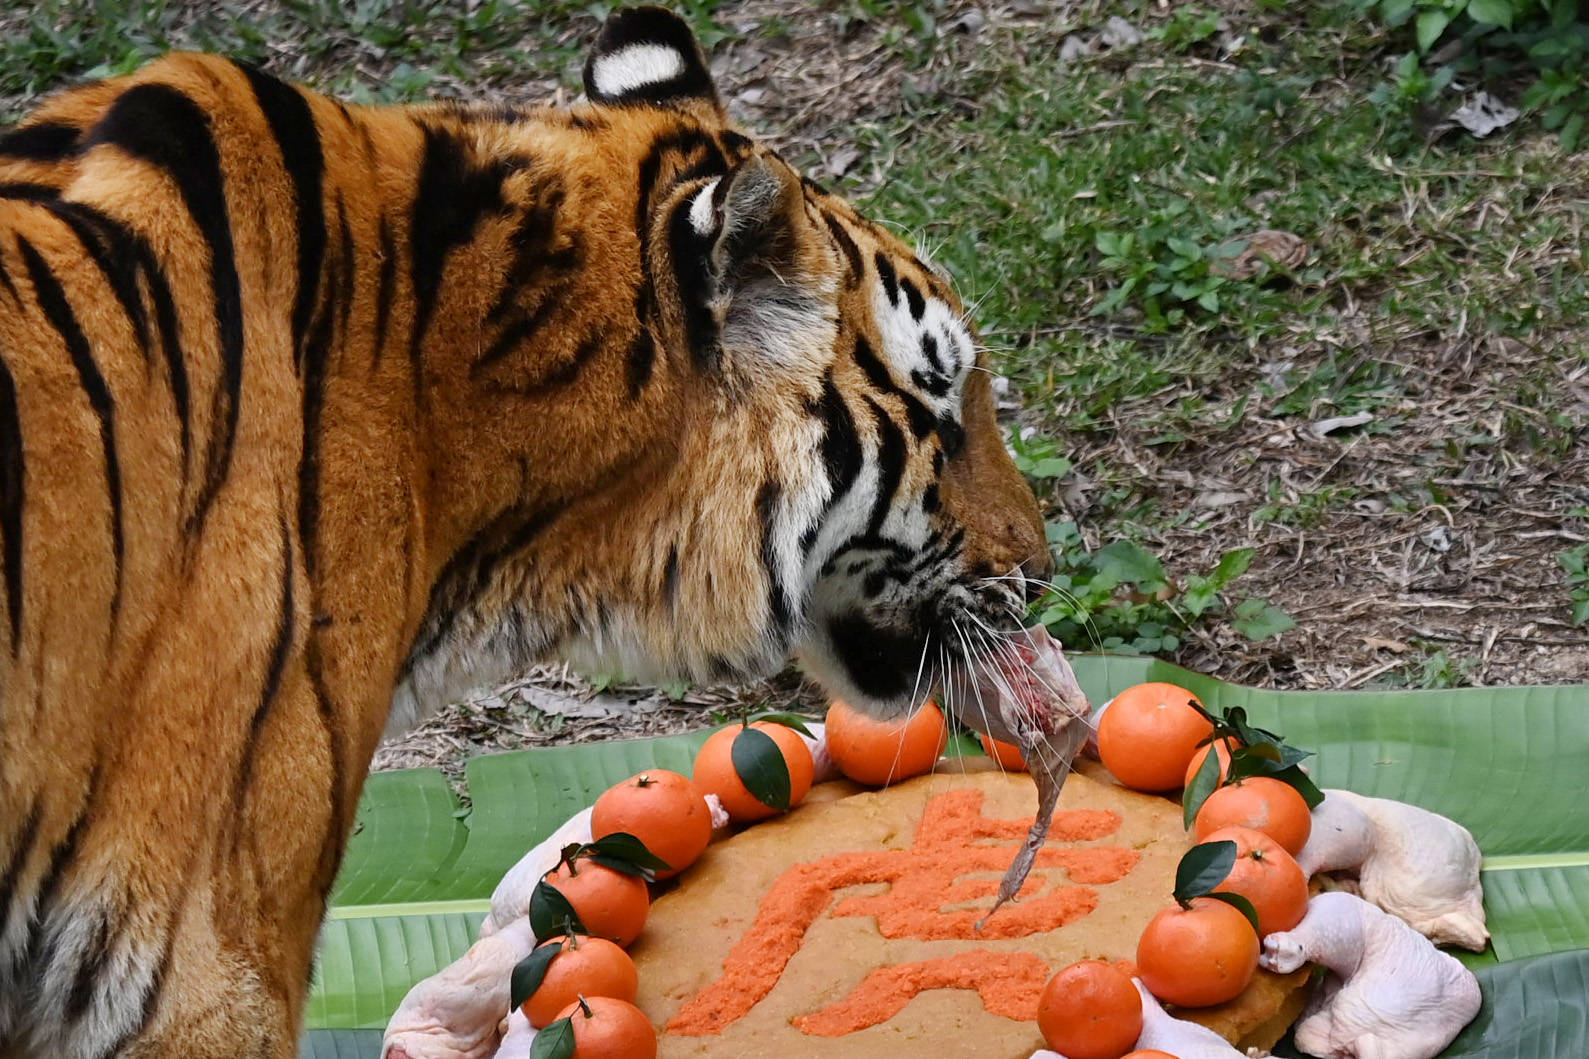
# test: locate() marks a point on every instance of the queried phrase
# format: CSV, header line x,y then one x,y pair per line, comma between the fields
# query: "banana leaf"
x,y
1507,763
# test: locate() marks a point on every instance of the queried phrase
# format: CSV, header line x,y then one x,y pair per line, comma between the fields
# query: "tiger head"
x,y
806,462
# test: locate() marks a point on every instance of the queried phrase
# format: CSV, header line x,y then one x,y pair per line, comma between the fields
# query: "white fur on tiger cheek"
x,y
904,340
702,215
635,67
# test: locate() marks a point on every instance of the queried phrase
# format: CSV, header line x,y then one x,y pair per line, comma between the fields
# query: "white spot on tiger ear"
x,y
702,215
636,66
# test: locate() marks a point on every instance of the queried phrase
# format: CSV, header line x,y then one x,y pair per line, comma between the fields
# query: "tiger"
x,y
313,415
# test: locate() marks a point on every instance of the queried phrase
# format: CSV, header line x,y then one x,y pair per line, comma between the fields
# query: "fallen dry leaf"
x,y
1247,255
1481,115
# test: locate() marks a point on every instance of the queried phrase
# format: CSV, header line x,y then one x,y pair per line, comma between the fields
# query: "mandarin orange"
x,y
1148,734
610,904
1197,956
715,772
1090,1010
1266,875
664,810
1263,804
607,1028
878,753
584,967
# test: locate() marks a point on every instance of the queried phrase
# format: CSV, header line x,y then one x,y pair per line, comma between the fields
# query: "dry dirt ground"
x,y
1415,546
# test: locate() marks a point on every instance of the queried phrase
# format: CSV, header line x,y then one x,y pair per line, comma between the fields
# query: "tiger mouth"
x,y
1024,693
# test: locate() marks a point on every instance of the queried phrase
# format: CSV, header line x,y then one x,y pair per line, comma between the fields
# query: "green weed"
x,y
1119,598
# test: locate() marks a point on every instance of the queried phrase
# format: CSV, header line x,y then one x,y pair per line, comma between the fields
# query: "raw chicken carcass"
x,y
510,901
1027,694
459,1012
1412,863
1392,994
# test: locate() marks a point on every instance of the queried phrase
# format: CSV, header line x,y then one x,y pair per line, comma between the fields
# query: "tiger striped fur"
x,y
312,415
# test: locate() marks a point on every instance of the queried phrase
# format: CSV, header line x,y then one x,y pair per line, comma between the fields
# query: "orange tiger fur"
x,y
305,405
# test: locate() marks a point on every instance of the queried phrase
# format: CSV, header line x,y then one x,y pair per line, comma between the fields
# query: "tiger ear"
x,y
648,56
770,275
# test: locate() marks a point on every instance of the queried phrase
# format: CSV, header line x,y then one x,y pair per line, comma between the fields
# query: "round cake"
x,y
857,926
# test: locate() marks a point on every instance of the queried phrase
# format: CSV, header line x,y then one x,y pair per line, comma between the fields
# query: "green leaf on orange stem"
x,y
551,914
623,852
554,1041
761,768
1303,783
1282,766
1204,783
1203,867
788,720
1240,904
528,973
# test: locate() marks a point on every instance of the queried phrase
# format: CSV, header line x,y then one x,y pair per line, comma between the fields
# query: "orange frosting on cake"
x,y
924,880
1009,984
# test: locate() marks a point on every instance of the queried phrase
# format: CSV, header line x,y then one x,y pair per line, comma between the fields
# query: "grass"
x,y
1086,208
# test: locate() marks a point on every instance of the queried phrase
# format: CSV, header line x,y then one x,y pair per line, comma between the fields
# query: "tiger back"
x,y
312,415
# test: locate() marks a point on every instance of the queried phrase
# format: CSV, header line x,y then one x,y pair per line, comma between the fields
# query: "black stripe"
x,y
851,252
124,256
890,467
886,273
951,435
777,594
690,138
929,348
880,660
935,557
280,649
670,578
692,274
162,126
332,849
842,454
383,288
639,361
452,197
347,288
935,384
92,967
292,124
316,353
62,855
512,337
913,298
559,376
922,421
566,373
5,280
532,243
151,996
29,191
13,481
52,299
48,141
19,858
468,572
108,245
166,322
